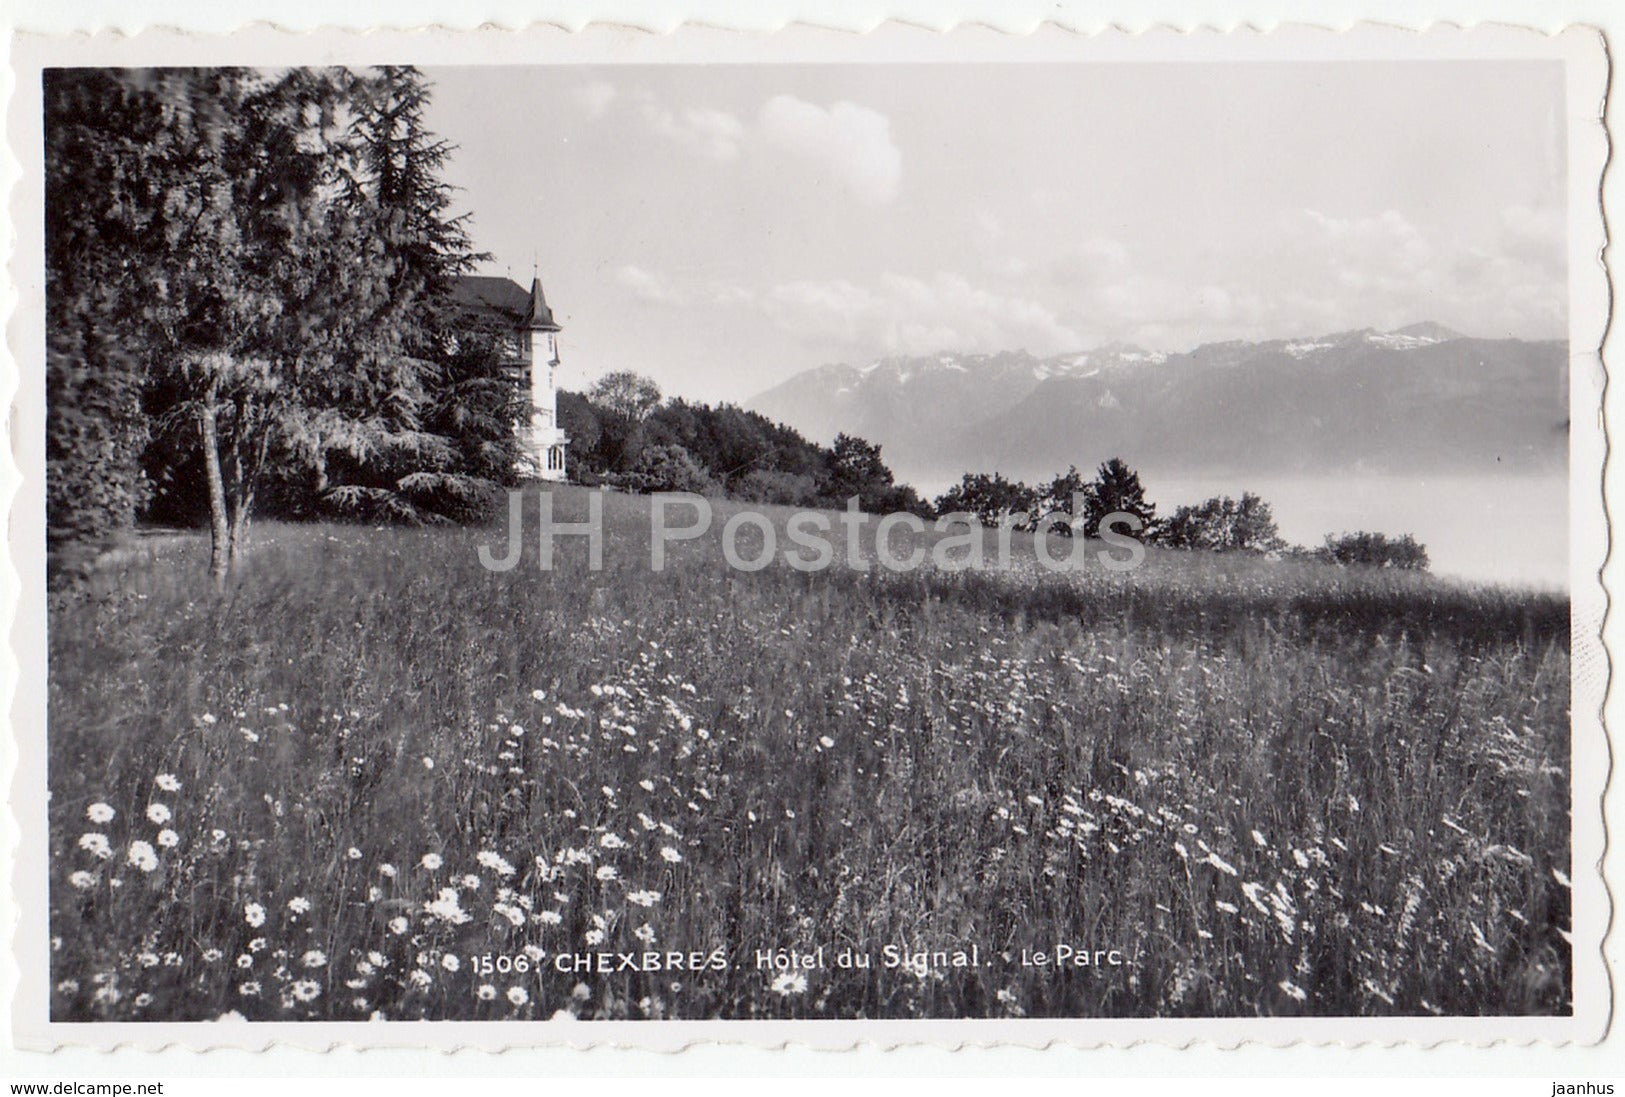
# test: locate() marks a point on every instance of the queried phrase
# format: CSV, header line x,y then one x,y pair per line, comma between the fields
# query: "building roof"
x,y
538,317
504,301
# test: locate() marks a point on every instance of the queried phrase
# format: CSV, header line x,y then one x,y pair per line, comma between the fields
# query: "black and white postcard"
x,y
631,539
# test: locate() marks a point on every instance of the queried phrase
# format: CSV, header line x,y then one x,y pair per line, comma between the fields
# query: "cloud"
x,y
1535,236
1379,254
732,296
647,286
1310,273
1171,313
850,144
1089,263
903,314
1384,271
595,96
1144,300
847,145
713,133
1302,273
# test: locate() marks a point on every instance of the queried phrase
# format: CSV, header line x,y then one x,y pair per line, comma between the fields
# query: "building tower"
x,y
543,442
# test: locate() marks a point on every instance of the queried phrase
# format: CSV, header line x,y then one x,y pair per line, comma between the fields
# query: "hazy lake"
x,y
1511,529
1507,529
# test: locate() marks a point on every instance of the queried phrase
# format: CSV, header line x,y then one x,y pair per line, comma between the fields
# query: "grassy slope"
x,y
1274,787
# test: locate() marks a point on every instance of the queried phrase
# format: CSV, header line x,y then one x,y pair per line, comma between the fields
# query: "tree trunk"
x,y
219,522
239,526
248,478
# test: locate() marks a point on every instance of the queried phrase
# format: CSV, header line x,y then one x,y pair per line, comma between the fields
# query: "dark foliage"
x,y
994,500
98,203
617,438
1375,550
1067,497
667,468
1222,524
1117,490
990,497
249,307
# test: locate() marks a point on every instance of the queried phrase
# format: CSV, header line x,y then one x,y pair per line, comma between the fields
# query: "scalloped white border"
x,y
21,972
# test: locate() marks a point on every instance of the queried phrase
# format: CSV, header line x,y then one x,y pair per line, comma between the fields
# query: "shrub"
x,y
668,468
773,486
1376,550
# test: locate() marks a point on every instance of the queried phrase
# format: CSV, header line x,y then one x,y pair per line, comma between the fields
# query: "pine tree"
x,y
1117,489
440,429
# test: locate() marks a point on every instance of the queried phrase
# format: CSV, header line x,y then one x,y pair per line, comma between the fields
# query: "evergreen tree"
x,y
439,410
1117,489
105,157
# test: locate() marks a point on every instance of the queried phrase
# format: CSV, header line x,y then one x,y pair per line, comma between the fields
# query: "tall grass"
x,y
1273,788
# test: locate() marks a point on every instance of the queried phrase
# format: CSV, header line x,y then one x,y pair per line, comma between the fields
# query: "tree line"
x,y
248,293
1068,503
623,434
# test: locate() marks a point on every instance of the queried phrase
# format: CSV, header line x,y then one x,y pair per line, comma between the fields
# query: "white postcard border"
x,y
1588,77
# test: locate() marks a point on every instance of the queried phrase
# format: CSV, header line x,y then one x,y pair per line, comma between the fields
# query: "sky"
x,y
720,228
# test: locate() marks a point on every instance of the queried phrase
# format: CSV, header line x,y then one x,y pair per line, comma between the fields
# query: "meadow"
x,y
376,779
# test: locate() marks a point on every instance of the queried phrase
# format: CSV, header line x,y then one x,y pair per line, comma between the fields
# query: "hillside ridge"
x,y
1419,398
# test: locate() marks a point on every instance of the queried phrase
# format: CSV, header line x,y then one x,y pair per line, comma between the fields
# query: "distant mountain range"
x,y
1422,399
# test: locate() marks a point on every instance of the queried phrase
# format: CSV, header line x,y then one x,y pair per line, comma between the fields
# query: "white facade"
x,y
543,442
529,348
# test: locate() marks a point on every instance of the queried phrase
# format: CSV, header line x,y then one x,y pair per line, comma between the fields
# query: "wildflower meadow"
x,y
375,780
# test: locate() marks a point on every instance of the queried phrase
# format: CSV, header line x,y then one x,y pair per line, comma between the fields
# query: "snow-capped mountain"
x,y
1417,399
